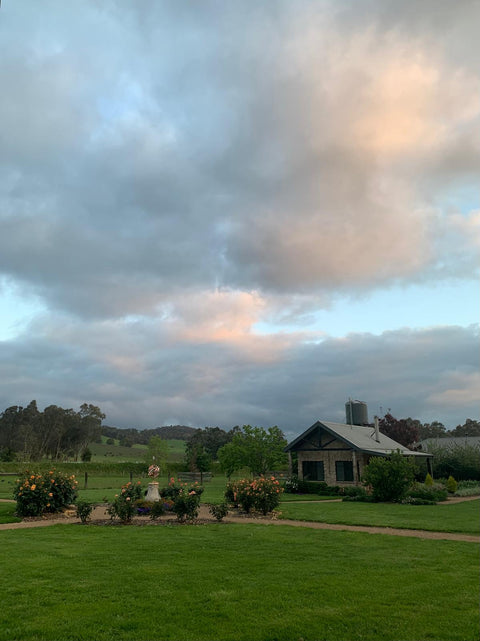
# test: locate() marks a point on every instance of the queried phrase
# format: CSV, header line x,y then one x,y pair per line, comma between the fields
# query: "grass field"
x,y
459,517
234,582
102,451
7,513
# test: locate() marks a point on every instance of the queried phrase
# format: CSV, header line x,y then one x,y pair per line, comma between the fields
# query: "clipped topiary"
x,y
452,485
428,481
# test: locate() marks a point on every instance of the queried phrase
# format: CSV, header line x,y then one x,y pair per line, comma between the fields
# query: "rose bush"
x,y
261,494
38,493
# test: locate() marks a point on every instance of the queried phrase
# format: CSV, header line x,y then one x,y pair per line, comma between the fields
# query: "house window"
x,y
344,470
313,471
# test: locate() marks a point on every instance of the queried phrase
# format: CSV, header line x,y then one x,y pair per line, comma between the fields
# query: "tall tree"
x,y
435,429
257,449
157,453
404,431
469,428
211,439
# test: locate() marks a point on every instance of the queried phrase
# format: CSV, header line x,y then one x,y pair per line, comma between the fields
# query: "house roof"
x,y
449,442
359,438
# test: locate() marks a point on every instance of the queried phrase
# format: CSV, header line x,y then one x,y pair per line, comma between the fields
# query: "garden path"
x,y
99,515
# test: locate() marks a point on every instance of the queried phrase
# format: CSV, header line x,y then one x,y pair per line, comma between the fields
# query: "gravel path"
x,y
99,516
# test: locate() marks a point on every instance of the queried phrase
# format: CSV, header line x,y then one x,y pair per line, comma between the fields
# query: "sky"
x,y
227,213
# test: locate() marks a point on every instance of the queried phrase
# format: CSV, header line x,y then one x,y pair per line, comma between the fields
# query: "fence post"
x,y
86,481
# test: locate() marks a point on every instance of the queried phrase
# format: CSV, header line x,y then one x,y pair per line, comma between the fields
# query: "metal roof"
x,y
359,438
449,442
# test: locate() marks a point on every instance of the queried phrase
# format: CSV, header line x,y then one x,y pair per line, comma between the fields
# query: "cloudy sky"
x,y
221,212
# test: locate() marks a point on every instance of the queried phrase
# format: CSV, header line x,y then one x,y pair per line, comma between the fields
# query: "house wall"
x,y
330,457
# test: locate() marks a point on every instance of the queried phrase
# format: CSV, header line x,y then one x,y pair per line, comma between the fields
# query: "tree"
x,y
435,429
255,448
403,431
469,428
157,453
389,478
229,458
197,458
211,439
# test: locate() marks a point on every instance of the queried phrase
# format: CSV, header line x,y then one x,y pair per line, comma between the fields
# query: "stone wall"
x,y
329,457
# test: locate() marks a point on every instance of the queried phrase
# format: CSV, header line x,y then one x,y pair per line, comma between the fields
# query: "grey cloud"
x,y
141,377
164,146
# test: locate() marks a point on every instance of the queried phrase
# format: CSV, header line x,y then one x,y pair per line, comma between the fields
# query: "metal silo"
x,y
356,412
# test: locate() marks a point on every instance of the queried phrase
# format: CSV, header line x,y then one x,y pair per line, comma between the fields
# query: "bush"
x,y
39,493
291,485
428,480
143,507
452,485
182,498
124,504
266,494
389,478
157,509
356,494
468,488
433,493
84,509
86,455
460,461
262,494
219,511
186,505
7,455
411,500
362,498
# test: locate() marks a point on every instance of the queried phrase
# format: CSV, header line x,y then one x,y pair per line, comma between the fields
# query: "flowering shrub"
x,y
184,499
153,509
123,506
171,491
174,488
262,494
266,494
186,504
291,485
39,493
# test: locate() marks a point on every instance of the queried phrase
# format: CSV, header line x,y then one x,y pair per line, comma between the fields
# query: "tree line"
x,y
56,433
408,431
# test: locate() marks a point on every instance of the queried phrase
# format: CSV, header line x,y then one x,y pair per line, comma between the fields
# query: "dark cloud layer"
x,y
141,378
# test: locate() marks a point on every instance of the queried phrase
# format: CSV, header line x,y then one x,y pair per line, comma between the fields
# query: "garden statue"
x,y
152,492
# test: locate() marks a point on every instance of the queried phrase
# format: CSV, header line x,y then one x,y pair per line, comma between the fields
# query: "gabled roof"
x,y
359,438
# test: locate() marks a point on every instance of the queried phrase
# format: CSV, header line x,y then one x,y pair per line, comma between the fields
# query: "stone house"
x,y
337,453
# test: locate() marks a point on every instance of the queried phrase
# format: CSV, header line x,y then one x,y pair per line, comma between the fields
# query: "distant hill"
x,y
131,435
179,432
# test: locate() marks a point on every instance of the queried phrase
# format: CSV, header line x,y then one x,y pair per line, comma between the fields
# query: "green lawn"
x,y
7,513
234,582
302,498
459,517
